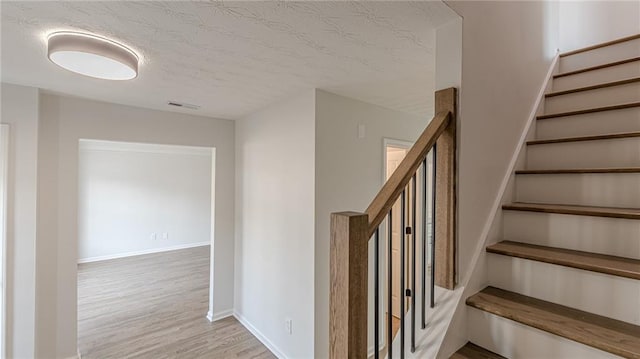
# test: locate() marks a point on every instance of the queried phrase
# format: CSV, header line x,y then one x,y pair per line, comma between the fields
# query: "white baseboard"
x,y
263,339
220,315
146,251
77,356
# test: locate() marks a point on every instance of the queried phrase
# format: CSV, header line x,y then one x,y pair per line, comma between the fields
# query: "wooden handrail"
x,y
441,132
350,232
388,195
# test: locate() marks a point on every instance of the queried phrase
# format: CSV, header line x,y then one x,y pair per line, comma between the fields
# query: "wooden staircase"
x,y
565,280
472,351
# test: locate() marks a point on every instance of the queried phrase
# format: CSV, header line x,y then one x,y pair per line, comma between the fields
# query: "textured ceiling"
x,y
233,58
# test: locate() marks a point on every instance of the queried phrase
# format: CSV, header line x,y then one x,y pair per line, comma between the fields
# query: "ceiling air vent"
x,y
184,105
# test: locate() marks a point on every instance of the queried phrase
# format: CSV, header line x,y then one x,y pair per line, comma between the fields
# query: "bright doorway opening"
x,y
394,153
145,239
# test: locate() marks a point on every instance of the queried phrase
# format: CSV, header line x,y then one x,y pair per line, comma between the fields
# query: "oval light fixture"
x,y
92,56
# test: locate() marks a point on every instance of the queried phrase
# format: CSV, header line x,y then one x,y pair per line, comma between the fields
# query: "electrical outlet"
x,y
288,326
165,235
153,236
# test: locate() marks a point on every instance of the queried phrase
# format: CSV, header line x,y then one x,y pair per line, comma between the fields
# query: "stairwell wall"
x,y
585,23
349,173
63,121
507,48
20,110
274,264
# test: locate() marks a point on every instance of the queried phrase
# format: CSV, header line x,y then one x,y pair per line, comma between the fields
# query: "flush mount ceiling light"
x,y
92,56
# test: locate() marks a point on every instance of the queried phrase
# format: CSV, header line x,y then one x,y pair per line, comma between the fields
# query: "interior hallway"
x,y
154,306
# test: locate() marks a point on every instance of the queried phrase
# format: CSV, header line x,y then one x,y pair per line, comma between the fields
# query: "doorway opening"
x,y
394,153
145,239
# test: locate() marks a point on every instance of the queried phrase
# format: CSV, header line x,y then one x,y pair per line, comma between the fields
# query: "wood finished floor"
x,y
154,306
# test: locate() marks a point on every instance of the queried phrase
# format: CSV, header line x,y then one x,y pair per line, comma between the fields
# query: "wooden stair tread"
x,y
604,44
618,266
593,87
626,213
580,171
589,110
611,136
600,332
472,351
598,67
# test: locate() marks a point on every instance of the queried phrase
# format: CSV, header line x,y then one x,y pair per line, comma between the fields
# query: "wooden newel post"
x,y
348,302
446,183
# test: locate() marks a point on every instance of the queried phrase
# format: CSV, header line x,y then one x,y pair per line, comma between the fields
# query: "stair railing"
x,y
351,231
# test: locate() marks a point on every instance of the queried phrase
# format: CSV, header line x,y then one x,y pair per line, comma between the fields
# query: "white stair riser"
x,y
602,294
627,120
600,190
623,152
603,55
607,96
611,236
517,341
595,77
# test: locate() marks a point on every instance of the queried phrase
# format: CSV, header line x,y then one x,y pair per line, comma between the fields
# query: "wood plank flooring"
x,y
154,306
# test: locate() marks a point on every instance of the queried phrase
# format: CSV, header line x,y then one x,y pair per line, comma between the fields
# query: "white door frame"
x,y
4,166
211,314
390,142
387,142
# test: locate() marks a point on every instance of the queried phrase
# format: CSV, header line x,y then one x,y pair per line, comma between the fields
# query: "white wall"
x,y
585,23
65,121
274,224
449,55
20,111
46,245
4,163
506,52
349,173
129,191
507,48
